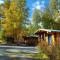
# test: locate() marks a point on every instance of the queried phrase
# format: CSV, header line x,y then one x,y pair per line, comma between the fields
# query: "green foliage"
x,y
53,6
31,29
47,19
35,24
36,18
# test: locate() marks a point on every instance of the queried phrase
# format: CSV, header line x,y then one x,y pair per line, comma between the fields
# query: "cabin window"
x,y
49,39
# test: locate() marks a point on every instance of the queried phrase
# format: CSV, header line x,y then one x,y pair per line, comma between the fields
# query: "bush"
x,y
55,55
53,52
41,55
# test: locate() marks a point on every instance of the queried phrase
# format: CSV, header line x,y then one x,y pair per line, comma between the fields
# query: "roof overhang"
x,y
47,31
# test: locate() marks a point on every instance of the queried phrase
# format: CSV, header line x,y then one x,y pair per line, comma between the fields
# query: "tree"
x,y
15,13
35,23
54,7
57,22
36,18
32,29
58,3
47,19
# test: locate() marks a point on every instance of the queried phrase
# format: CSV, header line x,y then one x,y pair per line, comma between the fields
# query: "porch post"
x,y
53,42
47,39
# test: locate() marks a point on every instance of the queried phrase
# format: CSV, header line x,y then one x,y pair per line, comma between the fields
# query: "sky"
x,y
39,4
32,4
1,1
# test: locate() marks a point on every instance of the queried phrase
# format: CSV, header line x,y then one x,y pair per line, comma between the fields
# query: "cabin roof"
x,y
31,36
47,30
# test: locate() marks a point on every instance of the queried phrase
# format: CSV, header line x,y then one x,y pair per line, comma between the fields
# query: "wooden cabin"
x,y
52,37
31,40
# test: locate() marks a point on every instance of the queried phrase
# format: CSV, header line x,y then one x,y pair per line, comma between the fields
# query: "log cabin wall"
x,y
43,38
57,41
52,37
48,38
31,40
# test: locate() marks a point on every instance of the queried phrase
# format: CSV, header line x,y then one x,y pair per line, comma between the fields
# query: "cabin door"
x,y
49,39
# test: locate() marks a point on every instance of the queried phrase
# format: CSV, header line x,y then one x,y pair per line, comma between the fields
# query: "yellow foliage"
x,y
14,17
